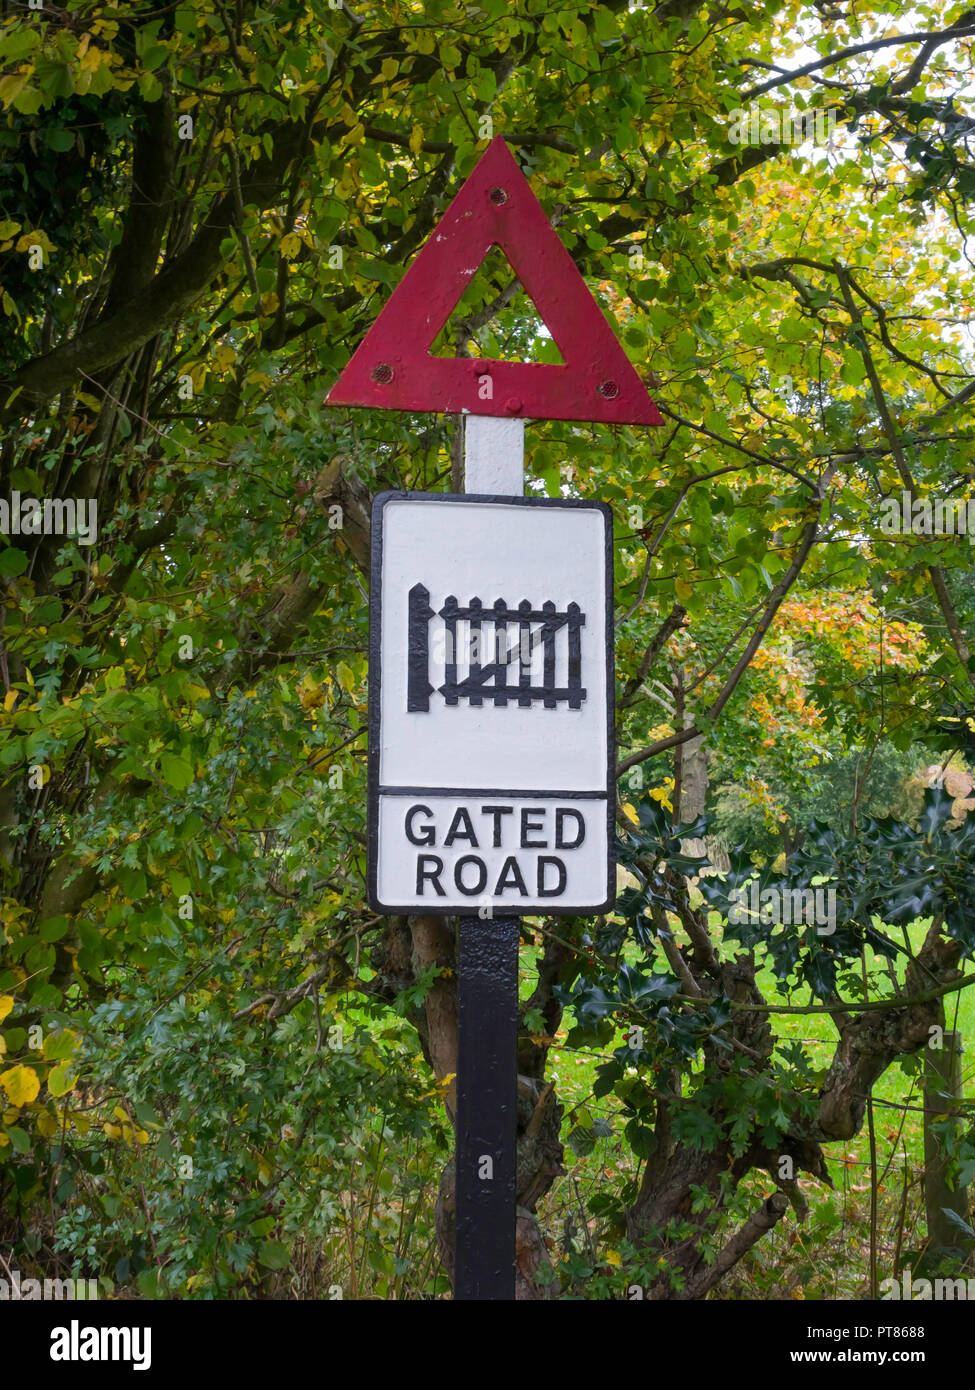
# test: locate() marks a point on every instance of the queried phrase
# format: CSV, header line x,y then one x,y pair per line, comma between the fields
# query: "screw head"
x,y
512,405
608,389
498,196
382,373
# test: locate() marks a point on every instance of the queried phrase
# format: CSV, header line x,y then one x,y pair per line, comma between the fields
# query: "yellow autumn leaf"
x,y
10,699
629,810
6,1004
311,693
613,1258
113,1131
54,1044
11,86
60,1081
35,238
21,1084
47,1124
441,1088
224,357
197,373
683,589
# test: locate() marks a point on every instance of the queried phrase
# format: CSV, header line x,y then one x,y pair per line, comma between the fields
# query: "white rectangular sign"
x,y
490,705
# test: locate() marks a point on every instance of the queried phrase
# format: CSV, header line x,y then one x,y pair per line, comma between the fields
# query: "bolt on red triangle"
x,y
394,369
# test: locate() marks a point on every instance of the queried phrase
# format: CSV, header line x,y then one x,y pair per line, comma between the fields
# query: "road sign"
x,y
491,662
393,366
491,705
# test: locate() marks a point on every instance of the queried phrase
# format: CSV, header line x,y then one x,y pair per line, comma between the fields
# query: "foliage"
x,y
202,207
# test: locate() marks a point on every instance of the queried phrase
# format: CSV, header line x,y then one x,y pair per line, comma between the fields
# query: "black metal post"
x,y
487,1093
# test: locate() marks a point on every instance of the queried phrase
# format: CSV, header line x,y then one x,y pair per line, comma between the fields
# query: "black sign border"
x,y
375,689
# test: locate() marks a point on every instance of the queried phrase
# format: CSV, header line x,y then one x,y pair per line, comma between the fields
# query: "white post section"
x,y
494,456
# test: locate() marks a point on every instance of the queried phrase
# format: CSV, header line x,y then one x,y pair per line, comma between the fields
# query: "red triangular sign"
x,y
393,366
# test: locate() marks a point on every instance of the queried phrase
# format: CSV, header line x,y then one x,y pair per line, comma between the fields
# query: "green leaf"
x,y
273,1254
151,1284
54,928
853,371
959,1223
154,55
21,38
176,771
18,1138
12,561
29,101
150,86
60,139
58,1045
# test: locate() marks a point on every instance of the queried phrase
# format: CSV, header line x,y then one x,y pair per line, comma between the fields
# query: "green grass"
x,y
827,1256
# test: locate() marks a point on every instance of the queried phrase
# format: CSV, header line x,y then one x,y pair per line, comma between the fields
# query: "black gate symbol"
x,y
535,627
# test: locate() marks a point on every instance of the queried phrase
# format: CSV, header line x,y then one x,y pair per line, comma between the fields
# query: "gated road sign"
x,y
491,705
491,662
